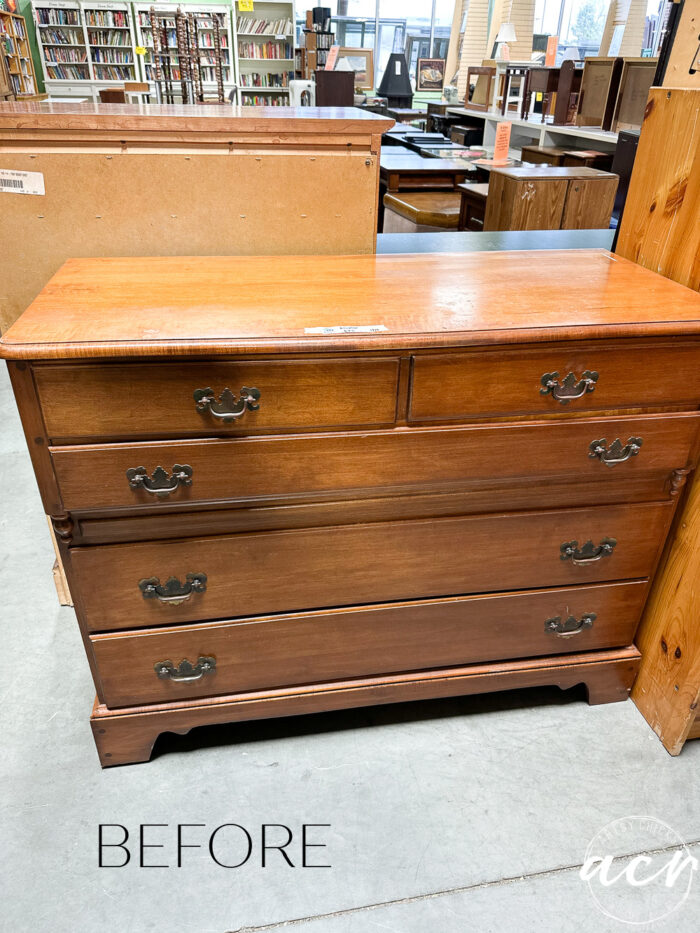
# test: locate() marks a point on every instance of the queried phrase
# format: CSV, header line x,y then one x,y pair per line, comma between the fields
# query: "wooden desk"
x,y
260,517
182,180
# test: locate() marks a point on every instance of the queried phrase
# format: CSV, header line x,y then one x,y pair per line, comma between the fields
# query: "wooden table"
x,y
406,114
336,481
408,171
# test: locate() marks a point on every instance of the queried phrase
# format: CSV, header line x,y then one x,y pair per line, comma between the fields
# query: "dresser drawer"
x,y
243,469
157,400
312,647
131,585
486,384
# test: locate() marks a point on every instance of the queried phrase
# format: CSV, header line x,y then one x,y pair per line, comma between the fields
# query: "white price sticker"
x,y
12,182
347,329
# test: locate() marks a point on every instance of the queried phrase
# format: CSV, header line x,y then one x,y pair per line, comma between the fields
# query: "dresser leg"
x,y
122,740
612,684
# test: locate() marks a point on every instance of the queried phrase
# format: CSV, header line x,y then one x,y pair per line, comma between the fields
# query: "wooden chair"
x,y
422,211
481,97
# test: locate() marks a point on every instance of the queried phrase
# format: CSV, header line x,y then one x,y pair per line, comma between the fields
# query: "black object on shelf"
x,y
395,84
623,163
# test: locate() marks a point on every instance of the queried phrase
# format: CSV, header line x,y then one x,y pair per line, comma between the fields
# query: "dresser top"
x,y
204,306
41,116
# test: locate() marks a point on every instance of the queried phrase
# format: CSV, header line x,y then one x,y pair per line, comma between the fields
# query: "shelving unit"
x,y
265,53
14,47
204,16
85,46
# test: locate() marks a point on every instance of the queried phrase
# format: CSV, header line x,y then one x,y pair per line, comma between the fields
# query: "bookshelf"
x,y
18,68
265,52
85,46
204,16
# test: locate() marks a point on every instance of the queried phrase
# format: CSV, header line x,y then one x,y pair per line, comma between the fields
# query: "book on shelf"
x,y
109,37
264,100
49,16
118,18
248,26
265,50
59,37
265,79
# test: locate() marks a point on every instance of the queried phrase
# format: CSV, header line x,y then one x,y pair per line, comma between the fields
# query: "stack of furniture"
x,y
17,78
269,503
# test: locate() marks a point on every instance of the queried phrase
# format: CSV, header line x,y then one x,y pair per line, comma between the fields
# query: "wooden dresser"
x,y
328,482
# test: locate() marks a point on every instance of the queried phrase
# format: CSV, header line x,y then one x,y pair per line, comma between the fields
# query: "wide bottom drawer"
x,y
229,657
155,583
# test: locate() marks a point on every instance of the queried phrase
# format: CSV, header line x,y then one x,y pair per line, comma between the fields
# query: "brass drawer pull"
x,y
227,407
615,453
570,626
161,483
570,387
172,591
589,553
185,672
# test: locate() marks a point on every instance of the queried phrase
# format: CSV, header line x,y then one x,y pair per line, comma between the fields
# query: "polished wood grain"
x,y
244,469
432,208
347,565
261,653
488,384
168,520
219,305
659,227
154,401
128,735
668,690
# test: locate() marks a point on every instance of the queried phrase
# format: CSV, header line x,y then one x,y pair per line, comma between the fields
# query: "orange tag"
x,y
550,57
500,150
332,57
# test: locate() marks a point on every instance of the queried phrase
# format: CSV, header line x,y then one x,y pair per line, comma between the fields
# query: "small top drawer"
x,y
565,380
176,400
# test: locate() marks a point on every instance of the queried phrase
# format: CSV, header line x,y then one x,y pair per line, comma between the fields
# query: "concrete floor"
x,y
459,815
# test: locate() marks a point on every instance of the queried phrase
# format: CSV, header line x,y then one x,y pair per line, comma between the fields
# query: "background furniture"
x,y
622,165
539,564
544,155
421,211
592,158
401,170
532,197
335,88
181,181
568,93
473,205
600,83
17,76
112,95
660,230
482,94
514,74
543,81
635,81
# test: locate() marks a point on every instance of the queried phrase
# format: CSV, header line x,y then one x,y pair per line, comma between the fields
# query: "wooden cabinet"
x,y
270,501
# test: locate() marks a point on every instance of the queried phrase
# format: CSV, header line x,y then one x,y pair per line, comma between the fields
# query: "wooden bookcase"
x,y
85,46
265,52
204,14
17,72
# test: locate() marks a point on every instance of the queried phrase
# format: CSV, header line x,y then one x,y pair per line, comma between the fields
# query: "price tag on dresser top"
x,y
347,329
13,182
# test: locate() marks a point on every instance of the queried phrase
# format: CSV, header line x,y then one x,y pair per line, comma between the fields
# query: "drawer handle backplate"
x,y
185,672
570,387
160,483
616,452
589,553
227,407
570,626
172,591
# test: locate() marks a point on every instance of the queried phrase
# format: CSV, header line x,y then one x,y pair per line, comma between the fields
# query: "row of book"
x,y
109,37
112,56
113,73
205,40
59,37
67,72
248,26
107,18
50,17
267,50
254,79
264,100
57,55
